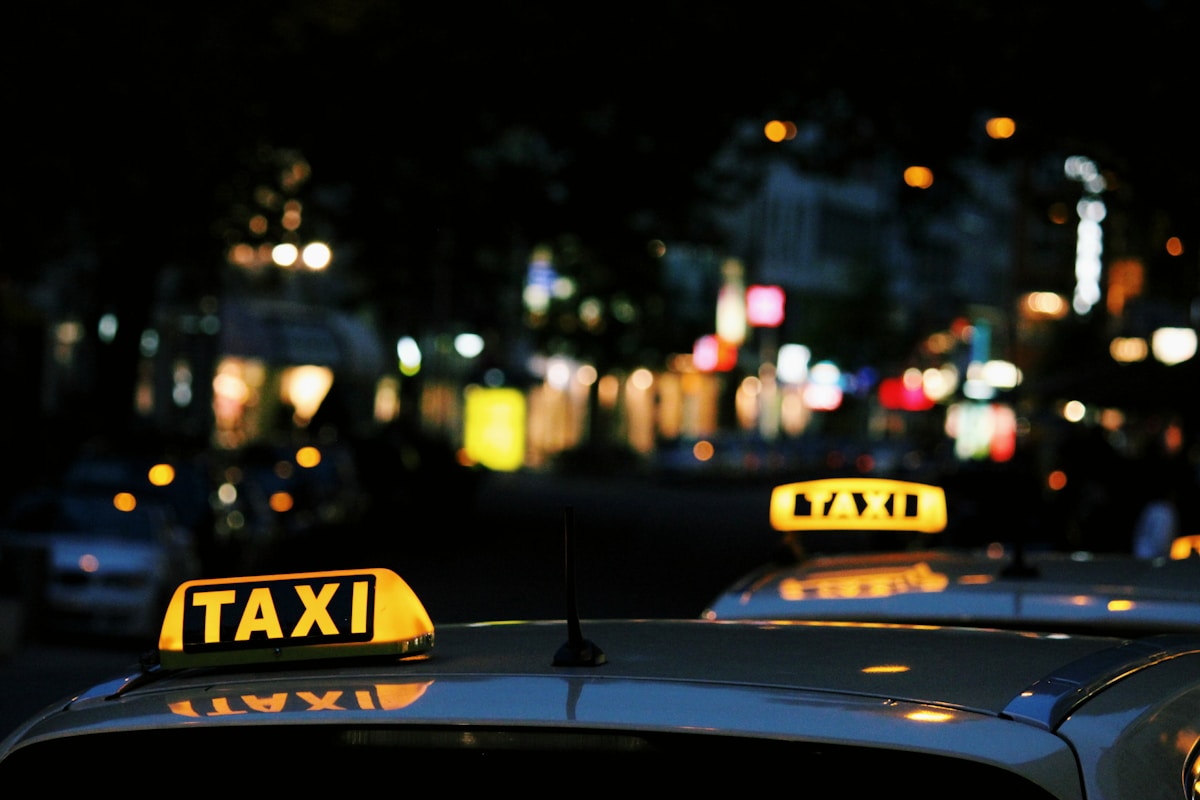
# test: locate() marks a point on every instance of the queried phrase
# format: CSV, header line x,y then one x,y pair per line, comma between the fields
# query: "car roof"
x,y
1003,584
1040,590
899,663
345,659
657,675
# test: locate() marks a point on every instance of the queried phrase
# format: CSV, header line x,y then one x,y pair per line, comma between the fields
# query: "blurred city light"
x,y
285,255
918,177
539,280
823,392
558,373
68,334
468,345
107,327
731,304
975,387
308,456
494,428
939,383
1084,170
1074,411
387,399
316,256
1000,127
1126,280
764,306
408,352
586,375
779,130
982,431
1001,374
1089,246
713,354
1173,345
148,343
1044,305
161,475
281,502
1128,349
906,393
1089,240
792,363
305,388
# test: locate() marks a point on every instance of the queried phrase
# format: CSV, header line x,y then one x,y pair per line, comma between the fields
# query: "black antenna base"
x,y
579,654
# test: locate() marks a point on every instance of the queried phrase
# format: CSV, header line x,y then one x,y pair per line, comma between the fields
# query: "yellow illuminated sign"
x,y
858,504
494,428
293,617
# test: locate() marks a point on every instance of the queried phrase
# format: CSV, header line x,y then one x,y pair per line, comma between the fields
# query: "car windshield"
x,y
83,514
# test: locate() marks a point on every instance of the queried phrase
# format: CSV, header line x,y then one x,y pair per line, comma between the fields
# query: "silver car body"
x,y
991,587
101,571
944,711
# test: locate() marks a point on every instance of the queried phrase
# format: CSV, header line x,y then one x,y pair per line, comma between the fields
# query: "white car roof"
x,y
1039,589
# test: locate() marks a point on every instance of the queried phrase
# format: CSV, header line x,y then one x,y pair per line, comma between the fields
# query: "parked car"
x,y
882,561
97,564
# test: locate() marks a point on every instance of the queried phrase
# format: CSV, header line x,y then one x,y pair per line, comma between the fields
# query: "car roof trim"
x,y
1050,700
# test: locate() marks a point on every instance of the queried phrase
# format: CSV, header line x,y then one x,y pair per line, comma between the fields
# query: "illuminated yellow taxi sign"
x,y
858,504
293,617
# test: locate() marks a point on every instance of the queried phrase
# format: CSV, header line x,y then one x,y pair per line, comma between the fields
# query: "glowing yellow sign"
x,y
494,427
858,504
293,617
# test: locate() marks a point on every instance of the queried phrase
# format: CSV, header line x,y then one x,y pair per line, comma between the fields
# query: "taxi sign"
x,y
301,616
858,504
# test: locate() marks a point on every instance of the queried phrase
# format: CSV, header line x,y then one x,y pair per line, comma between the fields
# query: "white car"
x,y
103,565
328,681
1011,585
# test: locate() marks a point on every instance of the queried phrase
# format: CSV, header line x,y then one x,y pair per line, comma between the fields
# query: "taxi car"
x,y
1010,584
325,680
1000,588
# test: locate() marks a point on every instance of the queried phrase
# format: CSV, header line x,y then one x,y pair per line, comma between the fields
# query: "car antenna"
x,y
577,651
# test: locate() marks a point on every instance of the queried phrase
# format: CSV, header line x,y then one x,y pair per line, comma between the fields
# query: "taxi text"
x,y
333,609
858,504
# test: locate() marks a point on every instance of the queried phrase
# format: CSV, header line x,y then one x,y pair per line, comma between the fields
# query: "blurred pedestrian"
x,y
1157,526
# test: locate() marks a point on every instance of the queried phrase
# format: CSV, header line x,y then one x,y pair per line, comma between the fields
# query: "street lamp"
x,y
315,255
1173,345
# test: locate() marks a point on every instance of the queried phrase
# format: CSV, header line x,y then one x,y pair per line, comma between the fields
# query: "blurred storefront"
x,y
247,370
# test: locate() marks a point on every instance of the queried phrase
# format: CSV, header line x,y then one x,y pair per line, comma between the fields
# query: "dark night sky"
x,y
133,127
443,139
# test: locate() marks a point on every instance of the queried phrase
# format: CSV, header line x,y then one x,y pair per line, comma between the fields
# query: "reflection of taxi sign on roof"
x,y
858,504
302,616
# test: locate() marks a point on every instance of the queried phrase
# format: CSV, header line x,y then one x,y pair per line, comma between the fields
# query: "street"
x,y
644,549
